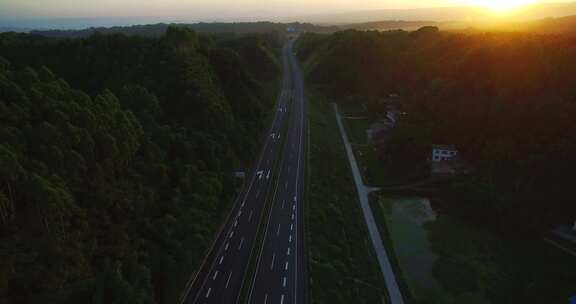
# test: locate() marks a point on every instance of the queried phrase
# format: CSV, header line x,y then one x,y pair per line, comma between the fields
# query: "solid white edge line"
x,y
296,68
228,281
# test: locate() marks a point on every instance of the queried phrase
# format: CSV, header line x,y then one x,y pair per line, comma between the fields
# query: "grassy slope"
x,y
356,129
343,267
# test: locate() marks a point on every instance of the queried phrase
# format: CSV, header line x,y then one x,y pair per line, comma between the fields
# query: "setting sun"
x,y
501,5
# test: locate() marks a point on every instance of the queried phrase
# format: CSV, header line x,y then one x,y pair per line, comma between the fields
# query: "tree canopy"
x,y
504,99
116,159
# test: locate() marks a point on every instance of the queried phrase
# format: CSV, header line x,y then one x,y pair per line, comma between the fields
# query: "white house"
x,y
443,152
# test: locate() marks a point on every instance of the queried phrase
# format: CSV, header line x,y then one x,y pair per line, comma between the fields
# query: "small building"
x,y
442,153
446,161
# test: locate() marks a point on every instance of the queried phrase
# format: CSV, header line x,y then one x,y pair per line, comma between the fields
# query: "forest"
x,y
506,100
116,158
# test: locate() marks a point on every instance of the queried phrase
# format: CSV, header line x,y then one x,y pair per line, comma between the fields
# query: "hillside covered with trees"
x,y
506,100
116,158
156,30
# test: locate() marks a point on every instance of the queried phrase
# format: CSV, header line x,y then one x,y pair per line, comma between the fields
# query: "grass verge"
x,y
356,130
343,266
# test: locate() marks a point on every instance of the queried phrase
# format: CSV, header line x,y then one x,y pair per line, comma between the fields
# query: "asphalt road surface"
x,y
280,271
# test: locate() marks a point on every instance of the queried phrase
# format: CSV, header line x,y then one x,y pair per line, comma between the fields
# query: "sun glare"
x,y
501,5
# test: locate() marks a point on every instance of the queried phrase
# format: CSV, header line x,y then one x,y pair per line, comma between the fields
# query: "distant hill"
x,y
547,25
559,25
156,30
14,29
552,25
389,25
444,14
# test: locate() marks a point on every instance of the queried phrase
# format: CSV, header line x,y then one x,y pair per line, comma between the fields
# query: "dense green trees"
x,y
111,193
505,99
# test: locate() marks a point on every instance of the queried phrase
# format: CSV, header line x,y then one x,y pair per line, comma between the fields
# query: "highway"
x,y
223,273
280,272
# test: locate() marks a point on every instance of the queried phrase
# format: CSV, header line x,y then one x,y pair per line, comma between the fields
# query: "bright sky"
x,y
206,10
70,8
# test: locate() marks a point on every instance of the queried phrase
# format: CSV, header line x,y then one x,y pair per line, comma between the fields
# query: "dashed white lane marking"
x,y
290,239
265,298
239,213
292,216
208,292
250,216
278,231
282,299
228,281
284,282
226,247
236,223
241,242
232,232
242,206
286,266
215,275
221,259
273,258
293,207
291,227
283,203
288,253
